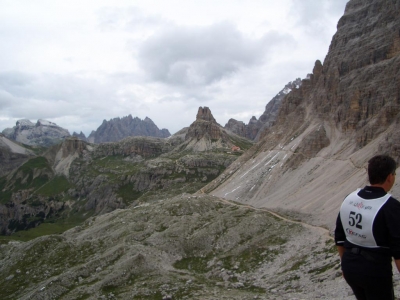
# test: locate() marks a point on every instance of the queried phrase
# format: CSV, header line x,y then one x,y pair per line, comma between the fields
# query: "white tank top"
x,y
358,215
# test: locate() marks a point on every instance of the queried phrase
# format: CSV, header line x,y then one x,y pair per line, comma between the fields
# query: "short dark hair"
x,y
379,167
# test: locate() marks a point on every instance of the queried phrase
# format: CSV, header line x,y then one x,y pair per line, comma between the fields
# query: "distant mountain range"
x,y
45,133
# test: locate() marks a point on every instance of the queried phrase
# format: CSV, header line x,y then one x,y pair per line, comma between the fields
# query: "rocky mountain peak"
x,y
119,128
24,123
43,133
80,135
204,113
255,128
206,134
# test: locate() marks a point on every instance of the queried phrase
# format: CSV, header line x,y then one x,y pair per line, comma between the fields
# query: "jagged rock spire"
x,y
205,114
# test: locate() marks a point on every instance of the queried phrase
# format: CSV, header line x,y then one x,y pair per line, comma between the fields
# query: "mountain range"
x,y
189,216
45,133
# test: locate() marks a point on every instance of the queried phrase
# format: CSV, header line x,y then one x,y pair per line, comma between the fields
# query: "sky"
x,y
77,63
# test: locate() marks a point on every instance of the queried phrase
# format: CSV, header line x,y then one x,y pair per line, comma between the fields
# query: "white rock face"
x,y
43,133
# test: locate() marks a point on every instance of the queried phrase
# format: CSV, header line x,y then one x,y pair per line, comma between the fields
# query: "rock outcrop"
x,y
255,128
119,128
206,134
43,133
62,156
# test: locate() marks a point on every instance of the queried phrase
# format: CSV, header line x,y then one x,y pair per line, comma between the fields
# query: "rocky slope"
x,y
43,133
344,113
187,247
119,128
254,129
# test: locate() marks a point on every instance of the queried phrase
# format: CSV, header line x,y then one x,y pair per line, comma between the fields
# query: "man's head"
x,y
379,168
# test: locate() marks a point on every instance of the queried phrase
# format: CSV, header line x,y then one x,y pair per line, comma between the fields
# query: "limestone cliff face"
x,y
367,87
119,128
357,87
62,156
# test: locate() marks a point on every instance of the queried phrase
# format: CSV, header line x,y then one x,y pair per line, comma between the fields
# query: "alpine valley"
x,y
244,211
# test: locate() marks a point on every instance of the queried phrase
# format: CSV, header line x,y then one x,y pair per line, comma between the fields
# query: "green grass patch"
x,y
49,226
35,163
194,264
27,172
5,195
57,185
242,143
156,295
128,193
298,264
38,150
41,230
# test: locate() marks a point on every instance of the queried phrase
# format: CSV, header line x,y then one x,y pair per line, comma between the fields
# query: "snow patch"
x,y
286,91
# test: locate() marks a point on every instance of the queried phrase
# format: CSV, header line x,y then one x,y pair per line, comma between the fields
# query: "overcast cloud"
x,y
76,63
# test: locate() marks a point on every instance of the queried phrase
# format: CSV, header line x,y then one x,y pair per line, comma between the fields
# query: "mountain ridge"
x,y
119,128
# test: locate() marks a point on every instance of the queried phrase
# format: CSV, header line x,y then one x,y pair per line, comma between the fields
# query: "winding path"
x,y
323,231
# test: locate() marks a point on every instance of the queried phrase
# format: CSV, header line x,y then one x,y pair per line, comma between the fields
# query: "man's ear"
x,y
391,178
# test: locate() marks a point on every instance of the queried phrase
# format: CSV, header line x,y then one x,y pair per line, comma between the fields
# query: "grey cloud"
x,y
14,81
6,100
52,95
312,14
203,55
49,86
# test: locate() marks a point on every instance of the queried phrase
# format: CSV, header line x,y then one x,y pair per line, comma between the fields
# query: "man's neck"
x,y
384,186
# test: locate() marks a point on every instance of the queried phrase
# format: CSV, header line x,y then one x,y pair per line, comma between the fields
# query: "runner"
x,y
367,233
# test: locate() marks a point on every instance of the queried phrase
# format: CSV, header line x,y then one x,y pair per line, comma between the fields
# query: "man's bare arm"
x,y
397,262
340,249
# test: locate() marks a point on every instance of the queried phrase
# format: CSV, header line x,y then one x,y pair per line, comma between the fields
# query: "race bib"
x,y
358,215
